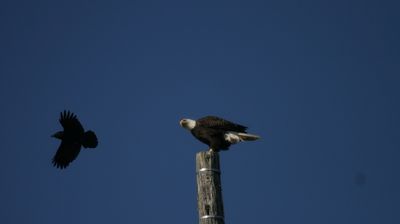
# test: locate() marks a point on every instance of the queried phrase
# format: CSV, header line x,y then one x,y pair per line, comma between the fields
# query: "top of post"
x,y
207,160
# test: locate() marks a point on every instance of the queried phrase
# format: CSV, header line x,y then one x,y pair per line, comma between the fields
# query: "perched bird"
x,y
216,132
72,138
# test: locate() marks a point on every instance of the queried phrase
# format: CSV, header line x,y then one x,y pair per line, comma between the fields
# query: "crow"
x,y
72,138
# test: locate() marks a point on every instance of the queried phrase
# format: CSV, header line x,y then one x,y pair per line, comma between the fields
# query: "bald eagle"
x,y
216,132
72,138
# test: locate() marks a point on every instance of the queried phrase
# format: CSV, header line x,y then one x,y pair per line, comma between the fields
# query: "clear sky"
x,y
318,80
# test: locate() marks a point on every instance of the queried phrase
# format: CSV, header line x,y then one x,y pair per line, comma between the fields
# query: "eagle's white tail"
x,y
247,137
235,137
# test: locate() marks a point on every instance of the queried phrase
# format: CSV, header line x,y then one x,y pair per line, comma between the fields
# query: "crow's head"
x,y
59,135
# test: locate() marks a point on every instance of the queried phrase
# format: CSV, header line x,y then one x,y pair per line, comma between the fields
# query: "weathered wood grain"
x,y
209,195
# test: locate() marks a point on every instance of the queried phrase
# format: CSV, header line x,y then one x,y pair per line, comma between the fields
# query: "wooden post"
x,y
209,196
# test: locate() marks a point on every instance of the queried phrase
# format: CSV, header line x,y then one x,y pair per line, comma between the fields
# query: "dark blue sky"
x,y
318,80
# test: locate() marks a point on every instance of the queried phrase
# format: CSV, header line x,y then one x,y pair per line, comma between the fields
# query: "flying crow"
x,y
72,138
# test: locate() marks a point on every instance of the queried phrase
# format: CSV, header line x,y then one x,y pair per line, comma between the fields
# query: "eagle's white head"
x,y
188,124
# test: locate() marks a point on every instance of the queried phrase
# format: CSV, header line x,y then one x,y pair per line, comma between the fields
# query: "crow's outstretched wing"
x,y
71,124
219,123
66,153
71,142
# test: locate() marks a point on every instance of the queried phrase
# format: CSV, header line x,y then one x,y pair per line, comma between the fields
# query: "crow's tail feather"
x,y
89,140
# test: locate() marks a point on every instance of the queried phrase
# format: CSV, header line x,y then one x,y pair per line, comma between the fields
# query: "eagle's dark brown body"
x,y
217,133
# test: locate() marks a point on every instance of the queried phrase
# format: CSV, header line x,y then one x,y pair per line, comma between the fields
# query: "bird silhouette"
x,y
73,137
